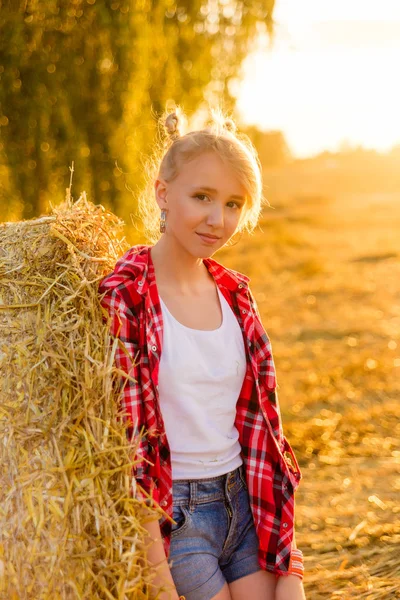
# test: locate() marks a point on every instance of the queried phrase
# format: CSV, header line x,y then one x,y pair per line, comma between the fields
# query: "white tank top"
x,y
200,377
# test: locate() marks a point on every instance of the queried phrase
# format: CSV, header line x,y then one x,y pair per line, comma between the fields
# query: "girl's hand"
x,y
289,587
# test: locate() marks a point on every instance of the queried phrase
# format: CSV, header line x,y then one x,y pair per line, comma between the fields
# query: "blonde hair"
x,y
174,149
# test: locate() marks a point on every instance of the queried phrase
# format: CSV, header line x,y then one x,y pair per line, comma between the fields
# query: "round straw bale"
x,y
69,523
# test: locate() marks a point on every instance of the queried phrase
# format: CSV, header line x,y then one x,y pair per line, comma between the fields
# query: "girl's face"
x,y
205,198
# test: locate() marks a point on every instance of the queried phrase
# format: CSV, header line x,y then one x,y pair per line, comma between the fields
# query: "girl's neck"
x,y
176,268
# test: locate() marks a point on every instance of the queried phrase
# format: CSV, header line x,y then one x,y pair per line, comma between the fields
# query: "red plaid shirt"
x,y
129,295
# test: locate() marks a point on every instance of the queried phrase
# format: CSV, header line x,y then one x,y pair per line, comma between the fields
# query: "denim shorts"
x,y
214,539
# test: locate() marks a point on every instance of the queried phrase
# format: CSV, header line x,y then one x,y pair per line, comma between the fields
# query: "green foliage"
x,y
84,80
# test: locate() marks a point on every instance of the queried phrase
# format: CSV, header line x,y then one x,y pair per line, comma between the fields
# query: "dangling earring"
x,y
163,218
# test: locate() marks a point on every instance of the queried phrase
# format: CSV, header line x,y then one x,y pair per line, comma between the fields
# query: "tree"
x,y
271,146
81,80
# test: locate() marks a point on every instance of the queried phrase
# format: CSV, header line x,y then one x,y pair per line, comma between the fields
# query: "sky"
x,y
330,78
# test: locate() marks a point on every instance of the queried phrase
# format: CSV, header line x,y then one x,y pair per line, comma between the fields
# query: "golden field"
x,y
325,272
324,269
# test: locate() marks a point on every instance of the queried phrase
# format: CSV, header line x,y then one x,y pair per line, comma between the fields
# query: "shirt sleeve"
x,y
253,303
284,444
124,330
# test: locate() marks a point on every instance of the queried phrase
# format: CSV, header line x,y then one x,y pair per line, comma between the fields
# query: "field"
x,y
325,272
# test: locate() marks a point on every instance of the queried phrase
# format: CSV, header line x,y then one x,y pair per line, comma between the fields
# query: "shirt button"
x,y
240,285
285,525
164,503
149,309
244,311
140,282
154,348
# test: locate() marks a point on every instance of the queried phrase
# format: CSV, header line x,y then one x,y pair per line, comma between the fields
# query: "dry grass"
x,y
330,304
325,274
69,525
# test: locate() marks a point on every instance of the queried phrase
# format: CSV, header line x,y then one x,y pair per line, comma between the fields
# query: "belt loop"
x,y
232,475
229,483
192,493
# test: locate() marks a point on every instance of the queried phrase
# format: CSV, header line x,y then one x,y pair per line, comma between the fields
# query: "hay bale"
x,y
69,525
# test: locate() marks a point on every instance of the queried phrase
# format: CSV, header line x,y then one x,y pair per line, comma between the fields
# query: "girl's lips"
x,y
206,239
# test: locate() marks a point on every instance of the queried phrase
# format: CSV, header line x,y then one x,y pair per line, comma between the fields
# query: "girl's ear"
x,y
160,190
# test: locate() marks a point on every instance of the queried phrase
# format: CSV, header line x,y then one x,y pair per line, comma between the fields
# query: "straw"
x,y
69,524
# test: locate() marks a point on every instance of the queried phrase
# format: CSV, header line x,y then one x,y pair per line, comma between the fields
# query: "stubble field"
x,y
325,272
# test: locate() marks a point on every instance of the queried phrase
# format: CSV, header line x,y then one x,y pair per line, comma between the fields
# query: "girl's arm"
x,y
156,557
124,326
124,329
290,587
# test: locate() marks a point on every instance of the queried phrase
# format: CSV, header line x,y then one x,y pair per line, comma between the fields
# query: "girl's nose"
x,y
216,216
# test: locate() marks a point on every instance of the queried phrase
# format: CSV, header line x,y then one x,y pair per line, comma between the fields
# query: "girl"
x,y
201,380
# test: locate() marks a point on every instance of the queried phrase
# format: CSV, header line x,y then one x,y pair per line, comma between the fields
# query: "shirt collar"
x,y
137,262
224,276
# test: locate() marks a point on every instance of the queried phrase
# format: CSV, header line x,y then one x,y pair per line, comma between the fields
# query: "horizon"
x,y
332,60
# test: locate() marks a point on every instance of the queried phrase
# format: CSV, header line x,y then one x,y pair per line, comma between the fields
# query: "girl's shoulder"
x,y
125,281
230,277
128,267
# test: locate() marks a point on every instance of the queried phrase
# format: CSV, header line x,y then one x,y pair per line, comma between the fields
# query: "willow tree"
x,y
81,80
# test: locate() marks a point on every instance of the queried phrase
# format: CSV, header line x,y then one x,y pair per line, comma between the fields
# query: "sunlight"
x,y
326,80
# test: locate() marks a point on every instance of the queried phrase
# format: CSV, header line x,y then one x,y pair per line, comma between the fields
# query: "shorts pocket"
x,y
180,514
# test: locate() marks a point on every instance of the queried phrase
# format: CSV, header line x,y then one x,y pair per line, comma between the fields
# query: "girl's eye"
x,y
238,206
